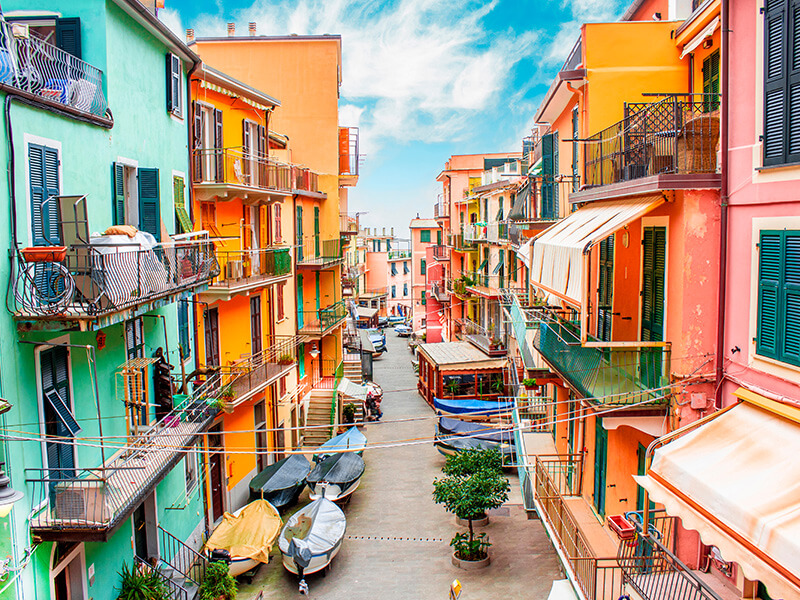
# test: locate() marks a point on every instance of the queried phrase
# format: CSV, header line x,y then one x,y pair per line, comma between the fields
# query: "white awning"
x,y
366,312
562,590
707,32
352,389
557,263
736,481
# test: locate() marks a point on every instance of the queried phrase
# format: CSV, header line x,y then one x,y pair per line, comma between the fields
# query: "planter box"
x,y
44,253
621,526
482,522
471,565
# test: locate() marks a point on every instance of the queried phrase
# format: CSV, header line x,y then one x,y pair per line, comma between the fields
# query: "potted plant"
x,y
141,583
349,413
498,387
529,383
452,387
285,359
473,484
218,584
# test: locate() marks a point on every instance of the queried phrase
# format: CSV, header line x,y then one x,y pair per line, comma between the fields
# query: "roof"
x,y
365,311
212,75
423,224
459,355
144,17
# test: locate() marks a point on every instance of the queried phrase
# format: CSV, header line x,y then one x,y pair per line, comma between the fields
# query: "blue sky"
x,y
423,79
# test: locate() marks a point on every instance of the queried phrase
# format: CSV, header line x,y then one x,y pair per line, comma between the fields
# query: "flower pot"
x,y
470,565
482,522
44,253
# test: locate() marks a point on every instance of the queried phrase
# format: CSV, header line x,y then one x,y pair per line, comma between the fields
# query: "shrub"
x,y
218,583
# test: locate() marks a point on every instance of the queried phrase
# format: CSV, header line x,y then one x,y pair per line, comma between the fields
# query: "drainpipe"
x,y
723,243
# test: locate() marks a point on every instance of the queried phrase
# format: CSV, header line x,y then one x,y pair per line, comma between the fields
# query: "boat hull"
x,y
317,563
334,492
240,566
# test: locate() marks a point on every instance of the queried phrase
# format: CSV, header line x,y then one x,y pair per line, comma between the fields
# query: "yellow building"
x,y
305,73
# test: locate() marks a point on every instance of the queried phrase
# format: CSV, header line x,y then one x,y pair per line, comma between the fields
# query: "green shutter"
x,y
711,82
181,214
422,266
183,329
317,288
605,291
653,272
300,321
438,237
549,168
600,465
425,235
118,193
149,202
68,35
791,299
54,367
769,280
422,298
44,165
301,359
316,231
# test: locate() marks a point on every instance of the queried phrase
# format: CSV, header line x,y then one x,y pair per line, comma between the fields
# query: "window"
x,y
280,290
282,386
278,232
422,266
142,210
711,82
394,291
781,83
394,269
422,298
183,224
405,267
405,290
59,421
183,330
190,468
174,99
778,334
425,235
255,324
43,163
262,450
64,33
208,164
605,291
134,338
548,209
439,237
388,245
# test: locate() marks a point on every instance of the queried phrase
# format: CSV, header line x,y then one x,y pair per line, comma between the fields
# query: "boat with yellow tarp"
x,y
247,535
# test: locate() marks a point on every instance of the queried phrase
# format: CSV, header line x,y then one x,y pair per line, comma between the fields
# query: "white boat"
x,y
254,528
312,537
336,477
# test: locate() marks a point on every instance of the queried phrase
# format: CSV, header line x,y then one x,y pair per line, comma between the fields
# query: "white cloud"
x,y
172,19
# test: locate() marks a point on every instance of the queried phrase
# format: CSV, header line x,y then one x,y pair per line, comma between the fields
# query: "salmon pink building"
x,y
424,234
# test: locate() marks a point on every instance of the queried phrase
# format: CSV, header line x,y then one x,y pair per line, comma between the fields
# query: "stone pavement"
x,y
397,543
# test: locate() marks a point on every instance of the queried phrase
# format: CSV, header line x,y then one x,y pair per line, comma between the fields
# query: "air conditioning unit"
x,y
234,269
81,500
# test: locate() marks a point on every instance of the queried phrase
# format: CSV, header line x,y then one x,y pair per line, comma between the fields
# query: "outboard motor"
x,y
220,555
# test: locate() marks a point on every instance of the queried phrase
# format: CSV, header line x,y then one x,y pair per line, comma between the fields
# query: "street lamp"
x,y
8,495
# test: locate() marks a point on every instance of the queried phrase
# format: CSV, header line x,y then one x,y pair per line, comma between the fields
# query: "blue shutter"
x,y
173,84
791,299
54,367
43,171
118,193
149,204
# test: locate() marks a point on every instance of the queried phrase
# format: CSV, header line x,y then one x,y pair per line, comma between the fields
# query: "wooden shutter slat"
x,y
768,284
149,202
118,193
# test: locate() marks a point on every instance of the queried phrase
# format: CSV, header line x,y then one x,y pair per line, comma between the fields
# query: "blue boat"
x,y
351,440
487,408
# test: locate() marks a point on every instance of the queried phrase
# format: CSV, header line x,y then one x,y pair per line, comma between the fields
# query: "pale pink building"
x,y
423,235
399,289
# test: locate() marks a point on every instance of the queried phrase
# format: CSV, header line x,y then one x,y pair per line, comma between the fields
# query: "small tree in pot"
x,y
218,584
473,484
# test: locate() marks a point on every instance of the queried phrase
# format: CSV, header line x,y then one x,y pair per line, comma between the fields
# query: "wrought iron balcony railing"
x,y
439,291
493,231
320,322
314,251
441,252
678,134
43,70
240,167
487,340
399,254
650,566
441,210
348,151
243,268
88,504
87,281
607,375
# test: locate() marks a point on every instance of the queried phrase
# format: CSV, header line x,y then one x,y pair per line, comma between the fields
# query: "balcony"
x,y
90,286
348,225
481,338
399,254
44,73
318,323
228,173
481,283
664,145
88,505
652,571
439,291
245,270
441,210
461,244
494,231
348,156
316,253
441,252
627,374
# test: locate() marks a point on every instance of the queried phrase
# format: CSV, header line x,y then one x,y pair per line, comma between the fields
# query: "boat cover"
x,y
338,469
250,534
487,407
449,426
349,441
459,443
285,474
314,529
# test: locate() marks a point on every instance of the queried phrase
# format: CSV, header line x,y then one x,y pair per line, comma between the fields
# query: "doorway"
x,y
600,463
67,571
216,467
145,529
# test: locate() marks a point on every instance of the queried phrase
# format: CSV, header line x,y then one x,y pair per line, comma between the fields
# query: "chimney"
x,y
231,29
392,231
189,35
384,231
251,27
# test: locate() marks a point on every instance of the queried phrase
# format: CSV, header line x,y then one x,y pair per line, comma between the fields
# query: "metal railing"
x,y
484,279
175,591
439,291
239,166
319,322
487,340
399,254
80,501
102,278
461,244
348,225
316,251
678,134
613,375
441,210
441,252
41,69
649,564
243,267
491,231
181,558
348,150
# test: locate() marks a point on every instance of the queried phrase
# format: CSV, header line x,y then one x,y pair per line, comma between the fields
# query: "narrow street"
x,y
397,543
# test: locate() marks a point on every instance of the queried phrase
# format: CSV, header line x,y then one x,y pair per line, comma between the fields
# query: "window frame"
x,y
425,236
174,85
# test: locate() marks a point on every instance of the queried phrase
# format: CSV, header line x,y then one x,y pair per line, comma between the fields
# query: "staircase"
x,y
318,418
352,368
183,567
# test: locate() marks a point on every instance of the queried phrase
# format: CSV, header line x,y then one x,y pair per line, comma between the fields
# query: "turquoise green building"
x,y
107,454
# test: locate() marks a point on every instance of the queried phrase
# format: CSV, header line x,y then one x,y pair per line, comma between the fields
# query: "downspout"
x,y
190,134
723,241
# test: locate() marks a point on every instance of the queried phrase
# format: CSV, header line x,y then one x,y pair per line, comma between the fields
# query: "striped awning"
x,y
221,90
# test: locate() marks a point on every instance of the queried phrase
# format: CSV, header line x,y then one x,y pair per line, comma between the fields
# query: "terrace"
x,y
348,225
44,73
317,253
441,252
481,338
439,291
318,323
492,231
244,270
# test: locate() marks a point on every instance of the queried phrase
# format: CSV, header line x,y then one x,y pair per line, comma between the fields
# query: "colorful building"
x,y
97,346
424,234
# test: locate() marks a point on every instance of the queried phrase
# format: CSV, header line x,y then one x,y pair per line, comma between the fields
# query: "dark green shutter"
x,y
118,193
317,288
423,268
316,231
605,291
600,465
219,162
299,232
68,35
769,281
149,203
425,236
711,82
653,273
549,168
44,181
300,321
791,299
183,329
54,366
438,237
793,84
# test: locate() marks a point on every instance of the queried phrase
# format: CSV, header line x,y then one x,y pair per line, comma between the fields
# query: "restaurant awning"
x,y
557,265
351,389
365,312
736,481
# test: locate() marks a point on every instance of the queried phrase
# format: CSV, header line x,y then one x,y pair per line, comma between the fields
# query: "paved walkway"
x,y
397,544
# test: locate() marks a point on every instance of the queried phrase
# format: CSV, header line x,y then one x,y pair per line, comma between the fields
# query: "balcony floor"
x,y
602,543
672,586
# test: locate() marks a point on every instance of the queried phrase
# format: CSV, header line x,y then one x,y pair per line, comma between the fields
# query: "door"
x,y
654,248
298,225
216,467
59,422
600,463
212,337
605,289
300,313
255,325
316,231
